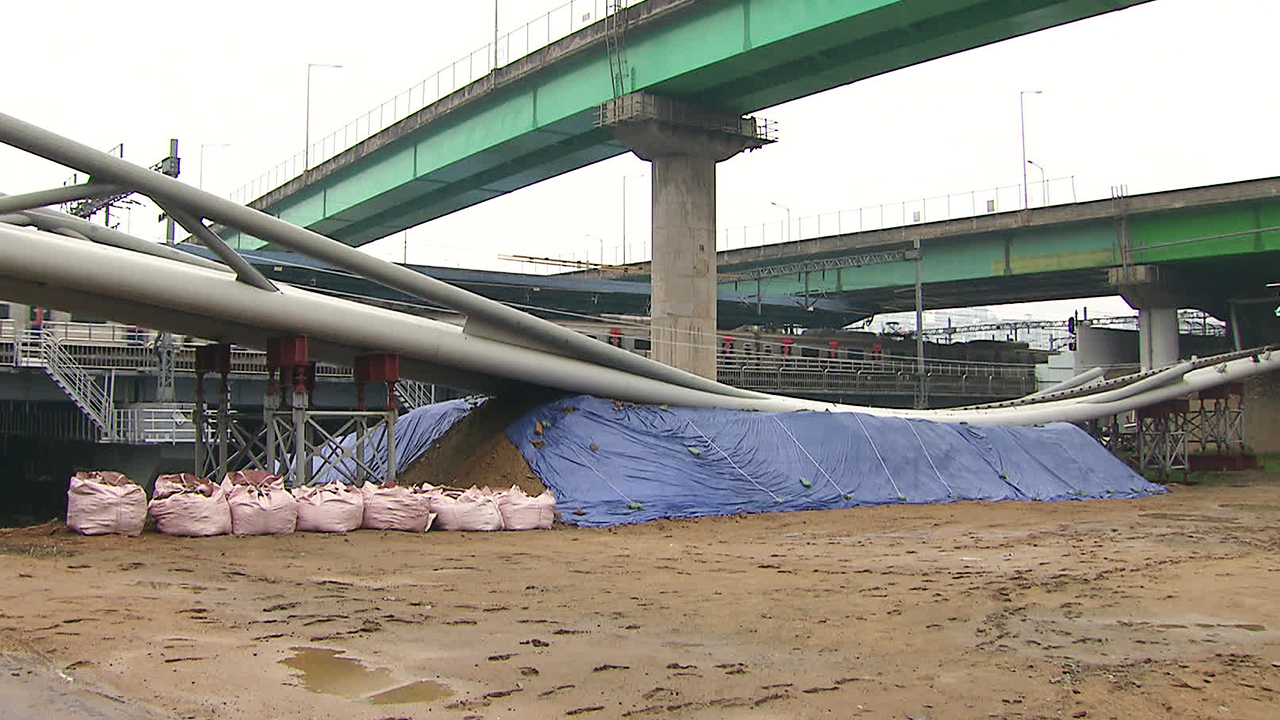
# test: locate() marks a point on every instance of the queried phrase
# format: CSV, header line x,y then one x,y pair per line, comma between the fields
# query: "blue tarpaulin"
x,y
416,430
610,463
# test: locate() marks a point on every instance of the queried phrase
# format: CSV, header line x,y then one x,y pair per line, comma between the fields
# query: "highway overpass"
x,y
537,116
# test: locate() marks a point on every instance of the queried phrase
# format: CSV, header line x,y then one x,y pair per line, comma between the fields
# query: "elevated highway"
x,y
1226,237
537,116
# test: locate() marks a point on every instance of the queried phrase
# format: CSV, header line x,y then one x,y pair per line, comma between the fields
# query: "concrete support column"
x,y
683,312
1157,336
21,315
1156,293
683,143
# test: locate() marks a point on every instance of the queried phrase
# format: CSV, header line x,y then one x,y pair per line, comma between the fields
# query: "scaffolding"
x,y
290,438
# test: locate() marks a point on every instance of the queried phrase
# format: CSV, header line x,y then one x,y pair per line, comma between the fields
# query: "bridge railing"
x,y
101,347
555,24
954,206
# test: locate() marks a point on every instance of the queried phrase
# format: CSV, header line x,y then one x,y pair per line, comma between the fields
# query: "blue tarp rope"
x,y
731,462
611,485
888,474
806,454
911,425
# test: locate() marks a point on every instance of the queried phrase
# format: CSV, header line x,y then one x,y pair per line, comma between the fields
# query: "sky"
x,y
1169,94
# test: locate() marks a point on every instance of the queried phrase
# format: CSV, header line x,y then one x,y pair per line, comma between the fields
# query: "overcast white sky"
x,y
1170,94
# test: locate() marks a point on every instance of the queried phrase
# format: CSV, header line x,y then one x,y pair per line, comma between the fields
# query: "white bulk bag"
x,y
102,503
330,507
190,506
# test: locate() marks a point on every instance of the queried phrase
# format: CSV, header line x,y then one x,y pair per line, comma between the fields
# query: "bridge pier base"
x,y
1157,336
683,143
1156,296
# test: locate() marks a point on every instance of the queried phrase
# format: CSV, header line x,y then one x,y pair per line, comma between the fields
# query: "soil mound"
x,y
476,451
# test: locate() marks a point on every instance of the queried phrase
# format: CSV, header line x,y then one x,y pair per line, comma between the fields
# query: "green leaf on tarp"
x,y
806,482
633,505
693,451
847,496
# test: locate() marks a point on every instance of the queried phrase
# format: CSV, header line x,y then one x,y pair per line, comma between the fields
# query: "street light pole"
x,y
624,215
202,147
306,151
922,384
1044,192
784,207
1022,115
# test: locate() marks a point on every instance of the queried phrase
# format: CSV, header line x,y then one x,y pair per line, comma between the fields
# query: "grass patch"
x,y
1198,477
36,551
1269,462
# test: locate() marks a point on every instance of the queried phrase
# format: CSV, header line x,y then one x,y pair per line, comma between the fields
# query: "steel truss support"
x,y
304,444
1162,437
1217,425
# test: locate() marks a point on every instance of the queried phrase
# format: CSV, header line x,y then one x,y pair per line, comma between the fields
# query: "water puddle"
x,y
421,691
326,671
1188,517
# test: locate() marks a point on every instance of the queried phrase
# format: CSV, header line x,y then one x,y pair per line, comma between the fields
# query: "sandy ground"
x,y
1164,607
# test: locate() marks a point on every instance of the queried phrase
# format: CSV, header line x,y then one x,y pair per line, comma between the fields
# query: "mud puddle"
x,y
327,671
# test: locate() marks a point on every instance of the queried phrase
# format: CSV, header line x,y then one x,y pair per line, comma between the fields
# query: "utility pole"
x,y
166,348
1022,115
922,386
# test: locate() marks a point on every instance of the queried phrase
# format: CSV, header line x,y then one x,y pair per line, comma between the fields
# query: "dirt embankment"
x,y
476,451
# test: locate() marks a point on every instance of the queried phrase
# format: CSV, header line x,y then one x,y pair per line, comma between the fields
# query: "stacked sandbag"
x,y
260,504
190,506
329,507
102,503
520,511
472,510
388,506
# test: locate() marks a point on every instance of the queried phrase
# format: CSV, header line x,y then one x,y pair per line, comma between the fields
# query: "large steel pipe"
x,y
40,267
166,190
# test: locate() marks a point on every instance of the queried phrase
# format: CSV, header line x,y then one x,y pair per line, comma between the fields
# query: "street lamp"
x,y
624,215
1044,191
1022,114
306,152
596,237
784,207
202,147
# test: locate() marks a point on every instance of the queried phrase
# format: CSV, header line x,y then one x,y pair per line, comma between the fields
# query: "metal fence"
x,y
555,24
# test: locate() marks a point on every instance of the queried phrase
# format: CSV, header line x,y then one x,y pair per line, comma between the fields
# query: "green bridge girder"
x,y
1223,239
534,118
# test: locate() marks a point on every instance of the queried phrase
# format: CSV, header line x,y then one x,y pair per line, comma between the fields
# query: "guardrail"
x,y
106,348
953,206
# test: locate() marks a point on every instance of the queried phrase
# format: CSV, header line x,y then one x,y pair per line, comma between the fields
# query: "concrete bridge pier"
x,y
1157,336
683,143
1156,296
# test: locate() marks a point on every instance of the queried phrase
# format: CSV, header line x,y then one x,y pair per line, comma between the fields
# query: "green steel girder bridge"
x,y
1209,245
537,117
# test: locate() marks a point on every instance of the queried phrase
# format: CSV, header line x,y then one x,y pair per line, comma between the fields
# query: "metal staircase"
x,y
142,423
94,400
414,394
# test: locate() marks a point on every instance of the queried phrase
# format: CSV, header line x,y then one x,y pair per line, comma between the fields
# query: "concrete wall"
x,y
1102,347
1262,413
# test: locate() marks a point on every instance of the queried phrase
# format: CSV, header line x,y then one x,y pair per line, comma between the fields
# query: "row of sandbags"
x,y
254,502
